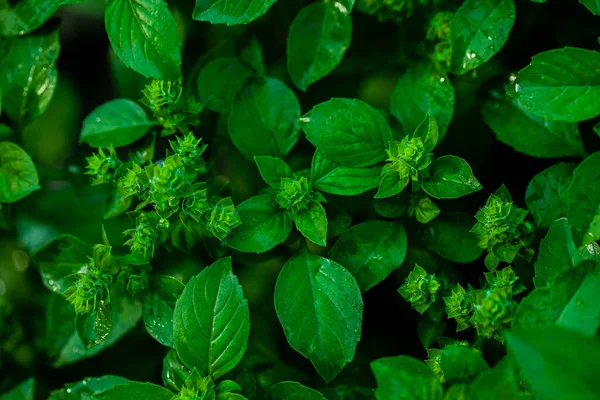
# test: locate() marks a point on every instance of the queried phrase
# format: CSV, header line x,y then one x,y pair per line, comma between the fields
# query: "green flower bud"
x,y
459,306
150,230
408,157
189,151
223,218
294,194
196,388
504,278
134,182
420,289
90,286
423,208
163,96
104,167
136,278
493,310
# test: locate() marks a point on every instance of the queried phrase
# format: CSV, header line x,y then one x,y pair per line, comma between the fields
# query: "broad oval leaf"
x,y
479,29
461,364
404,377
319,36
272,170
531,134
348,131
451,177
592,5
230,12
259,126
449,235
18,18
332,177
583,195
211,323
29,74
319,305
87,387
292,391
116,123
371,251
23,391
546,193
144,35
158,308
18,176
219,81
264,225
135,390
312,223
420,91
561,84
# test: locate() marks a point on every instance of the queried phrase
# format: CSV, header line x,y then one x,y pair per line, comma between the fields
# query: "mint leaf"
x,y
405,378
561,84
449,235
219,81
259,126
253,56
264,225
319,305
451,177
556,363
272,170
319,36
371,251
348,131
211,321
116,123
93,328
230,12
29,75
592,5
292,391
547,191
18,18
479,29
135,390
423,90
159,306
332,177
461,364
583,196
144,35
87,387
23,391
499,383
530,134
18,176
312,223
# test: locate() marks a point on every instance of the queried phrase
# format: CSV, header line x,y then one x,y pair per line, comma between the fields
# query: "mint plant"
x,y
302,199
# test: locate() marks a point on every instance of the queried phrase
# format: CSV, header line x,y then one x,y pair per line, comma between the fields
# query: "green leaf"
x,y
219,81
332,177
260,126
264,225
556,363
461,364
319,305
558,253
546,193
18,18
174,373
530,134
449,235
158,308
572,302
272,170
561,84
292,391
451,178
592,5
312,223
230,12
87,387
583,195
393,206
348,131
420,91
405,378
18,176
479,29
212,321
29,75
391,184
497,383
144,35
252,55
117,202
23,391
93,328
319,36
118,122
135,390
371,251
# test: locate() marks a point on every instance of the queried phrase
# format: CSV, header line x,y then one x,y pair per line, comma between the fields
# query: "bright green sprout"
x,y
223,218
149,231
165,100
423,208
505,277
294,194
134,182
189,151
420,289
104,167
196,388
459,306
434,358
493,310
92,285
408,158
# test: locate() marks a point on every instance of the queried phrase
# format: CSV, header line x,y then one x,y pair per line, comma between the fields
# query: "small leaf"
x,y
312,223
211,321
264,225
391,184
253,56
561,84
583,211
135,390
87,387
319,36
144,35
405,378
115,123
24,16
292,391
93,328
497,383
219,81
461,364
546,193
449,235
348,131
158,308
371,251
332,177
272,170
319,305
259,126
451,177
556,363
592,5
230,12
18,176
23,391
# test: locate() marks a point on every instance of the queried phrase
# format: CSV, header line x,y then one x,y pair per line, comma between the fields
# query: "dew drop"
x,y
98,119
